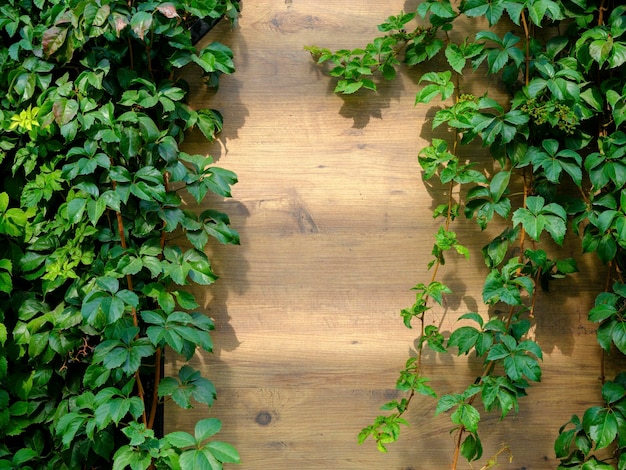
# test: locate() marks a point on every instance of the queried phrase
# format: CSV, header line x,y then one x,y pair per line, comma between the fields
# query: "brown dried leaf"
x,y
120,23
168,10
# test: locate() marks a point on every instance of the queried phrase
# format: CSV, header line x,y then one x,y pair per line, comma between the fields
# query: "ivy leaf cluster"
x,y
101,232
558,172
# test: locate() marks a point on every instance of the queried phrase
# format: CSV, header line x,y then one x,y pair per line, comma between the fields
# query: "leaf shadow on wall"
x,y
230,264
364,105
411,5
233,111
226,98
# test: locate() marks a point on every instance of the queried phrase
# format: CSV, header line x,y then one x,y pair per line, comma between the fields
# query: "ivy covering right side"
x,y
559,169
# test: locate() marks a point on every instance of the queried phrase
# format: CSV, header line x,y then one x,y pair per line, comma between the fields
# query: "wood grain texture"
x,y
336,228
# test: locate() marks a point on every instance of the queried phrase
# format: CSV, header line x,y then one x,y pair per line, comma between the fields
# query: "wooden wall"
x,y
336,228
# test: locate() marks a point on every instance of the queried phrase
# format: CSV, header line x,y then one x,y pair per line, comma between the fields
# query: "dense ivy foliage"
x,y
559,165
92,116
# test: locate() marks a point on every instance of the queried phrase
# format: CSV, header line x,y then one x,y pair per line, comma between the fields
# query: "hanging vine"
x,y
558,148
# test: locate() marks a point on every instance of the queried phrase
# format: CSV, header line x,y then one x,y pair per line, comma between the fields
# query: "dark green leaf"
x,y
601,425
464,338
471,448
618,335
601,312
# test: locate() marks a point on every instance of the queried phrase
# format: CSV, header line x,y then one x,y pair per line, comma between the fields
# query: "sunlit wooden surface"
x,y
336,228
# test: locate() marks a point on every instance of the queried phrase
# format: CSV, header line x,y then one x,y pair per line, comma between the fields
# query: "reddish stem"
x,y
155,392
527,34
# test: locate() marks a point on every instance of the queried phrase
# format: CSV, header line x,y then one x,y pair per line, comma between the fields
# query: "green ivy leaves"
x,y
107,303
440,85
484,202
90,127
599,428
190,384
558,149
182,450
608,311
553,162
181,331
538,216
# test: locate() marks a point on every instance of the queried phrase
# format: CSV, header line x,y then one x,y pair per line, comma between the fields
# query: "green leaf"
x,y
68,426
618,335
220,180
601,312
538,9
95,209
499,288
206,428
455,57
467,416
533,224
24,455
519,365
75,209
604,334
180,439
471,448
223,452
600,49
203,391
64,110
199,267
130,141
447,402
52,40
472,316
499,184
185,299
347,87
612,392
537,217
563,443
210,123
464,338
198,460
601,425
216,57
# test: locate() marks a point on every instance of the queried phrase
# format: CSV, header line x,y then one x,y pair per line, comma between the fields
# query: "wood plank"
x,y
336,228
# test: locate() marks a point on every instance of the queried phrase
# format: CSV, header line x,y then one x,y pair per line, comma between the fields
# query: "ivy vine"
x,y
559,167
96,244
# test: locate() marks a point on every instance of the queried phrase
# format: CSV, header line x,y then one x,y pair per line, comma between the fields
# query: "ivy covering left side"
x,y
92,116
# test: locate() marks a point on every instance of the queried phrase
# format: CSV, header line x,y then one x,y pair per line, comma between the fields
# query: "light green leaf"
x,y
223,452
206,428
180,439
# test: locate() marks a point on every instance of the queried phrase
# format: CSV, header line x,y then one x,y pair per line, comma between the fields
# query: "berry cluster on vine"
x,y
558,115
466,97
